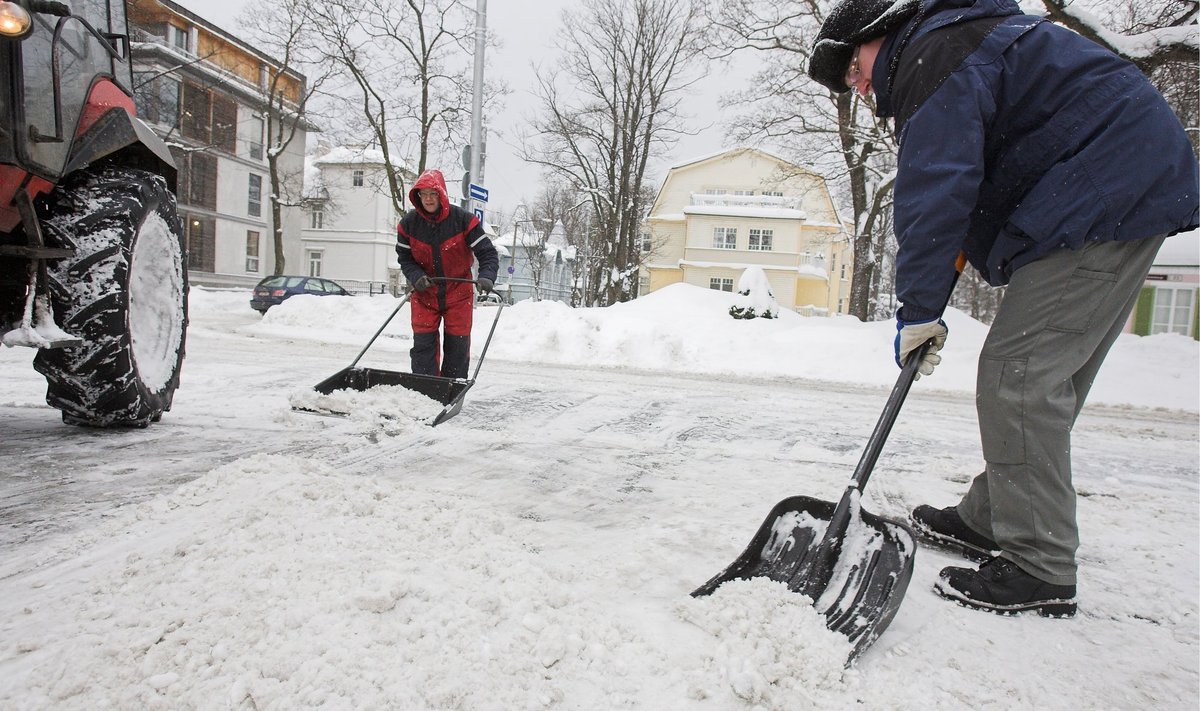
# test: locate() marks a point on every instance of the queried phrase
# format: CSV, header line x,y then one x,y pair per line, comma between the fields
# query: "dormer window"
x,y
180,39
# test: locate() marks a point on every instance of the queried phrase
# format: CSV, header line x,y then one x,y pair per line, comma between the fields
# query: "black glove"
x,y
484,285
423,283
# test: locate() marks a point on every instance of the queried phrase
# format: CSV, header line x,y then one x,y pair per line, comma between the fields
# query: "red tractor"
x,y
92,257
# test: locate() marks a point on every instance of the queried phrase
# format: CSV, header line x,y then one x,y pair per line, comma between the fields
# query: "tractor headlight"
x,y
14,20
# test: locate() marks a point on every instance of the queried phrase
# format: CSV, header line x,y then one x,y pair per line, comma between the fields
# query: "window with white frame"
x,y
773,193
720,284
761,240
743,192
1173,310
180,38
314,262
255,143
252,244
316,218
647,245
254,196
357,178
724,238
716,191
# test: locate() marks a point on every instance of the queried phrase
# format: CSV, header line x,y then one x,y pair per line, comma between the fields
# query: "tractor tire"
x,y
124,292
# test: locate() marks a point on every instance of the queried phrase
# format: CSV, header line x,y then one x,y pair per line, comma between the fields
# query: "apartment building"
x,y
205,92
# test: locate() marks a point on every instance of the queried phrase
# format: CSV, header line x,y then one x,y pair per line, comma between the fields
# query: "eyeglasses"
x,y
427,193
854,72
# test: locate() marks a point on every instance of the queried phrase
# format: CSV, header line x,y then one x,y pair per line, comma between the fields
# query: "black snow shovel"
x,y
853,564
447,391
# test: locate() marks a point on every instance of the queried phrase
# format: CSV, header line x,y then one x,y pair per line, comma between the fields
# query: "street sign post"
x,y
478,192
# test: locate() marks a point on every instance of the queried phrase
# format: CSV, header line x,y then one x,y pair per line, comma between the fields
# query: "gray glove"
x,y
484,285
423,283
910,336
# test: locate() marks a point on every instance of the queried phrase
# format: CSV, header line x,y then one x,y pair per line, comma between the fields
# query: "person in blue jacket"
x,y
1058,170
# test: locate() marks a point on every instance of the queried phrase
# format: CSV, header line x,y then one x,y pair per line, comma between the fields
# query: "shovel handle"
x,y
892,408
887,418
391,316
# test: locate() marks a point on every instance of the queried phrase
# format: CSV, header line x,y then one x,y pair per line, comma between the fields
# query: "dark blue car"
x,y
275,289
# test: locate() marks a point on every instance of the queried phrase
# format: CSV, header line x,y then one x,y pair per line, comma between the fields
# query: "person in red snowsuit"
x,y
438,240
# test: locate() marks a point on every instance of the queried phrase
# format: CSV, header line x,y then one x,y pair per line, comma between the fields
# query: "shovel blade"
x,y
867,579
447,391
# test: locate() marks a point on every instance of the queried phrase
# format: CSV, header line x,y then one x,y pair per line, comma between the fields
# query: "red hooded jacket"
x,y
444,244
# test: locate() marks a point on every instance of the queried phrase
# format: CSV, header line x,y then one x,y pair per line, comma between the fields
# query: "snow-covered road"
x,y
537,550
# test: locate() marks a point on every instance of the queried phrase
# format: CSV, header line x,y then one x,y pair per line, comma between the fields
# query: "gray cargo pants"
x,y
1059,317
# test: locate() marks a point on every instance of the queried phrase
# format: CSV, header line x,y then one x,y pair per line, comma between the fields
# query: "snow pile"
x,y
754,297
381,402
305,588
773,648
687,329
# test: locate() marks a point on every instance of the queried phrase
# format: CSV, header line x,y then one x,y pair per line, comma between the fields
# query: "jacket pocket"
x,y
1000,402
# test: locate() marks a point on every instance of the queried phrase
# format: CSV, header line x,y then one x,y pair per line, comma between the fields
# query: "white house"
x,y
530,268
717,215
1168,302
349,232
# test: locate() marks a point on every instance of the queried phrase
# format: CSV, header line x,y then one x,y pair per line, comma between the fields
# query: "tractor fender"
x,y
116,133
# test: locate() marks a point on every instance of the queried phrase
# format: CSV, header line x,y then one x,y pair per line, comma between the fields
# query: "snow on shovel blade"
x,y
855,566
446,391
868,578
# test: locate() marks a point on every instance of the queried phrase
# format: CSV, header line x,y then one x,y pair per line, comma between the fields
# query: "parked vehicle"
x,y
92,266
489,299
275,290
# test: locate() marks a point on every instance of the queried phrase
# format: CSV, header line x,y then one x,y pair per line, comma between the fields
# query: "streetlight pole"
x,y
476,167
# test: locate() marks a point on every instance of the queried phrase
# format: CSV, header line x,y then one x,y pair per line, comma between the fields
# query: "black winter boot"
x,y
1001,587
944,529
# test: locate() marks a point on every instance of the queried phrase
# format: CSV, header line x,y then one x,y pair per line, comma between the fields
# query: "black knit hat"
x,y
851,23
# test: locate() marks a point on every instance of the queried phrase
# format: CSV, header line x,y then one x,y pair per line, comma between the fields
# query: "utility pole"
x,y
476,167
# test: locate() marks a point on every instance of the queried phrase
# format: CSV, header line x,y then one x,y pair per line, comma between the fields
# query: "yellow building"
x,y
717,215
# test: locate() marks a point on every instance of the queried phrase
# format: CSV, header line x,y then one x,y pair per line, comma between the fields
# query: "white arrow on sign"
x,y
478,192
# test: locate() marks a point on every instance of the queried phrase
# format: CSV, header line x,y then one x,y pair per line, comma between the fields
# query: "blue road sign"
x,y
478,192
479,214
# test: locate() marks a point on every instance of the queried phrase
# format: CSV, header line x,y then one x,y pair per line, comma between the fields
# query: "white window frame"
x,y
253,240
720,283
316,218
256,139
181,38
314,258
1167,304
761,240
358,177
724,238
254,201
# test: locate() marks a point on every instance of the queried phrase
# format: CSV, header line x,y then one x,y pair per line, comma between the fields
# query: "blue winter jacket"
x,y
1019,137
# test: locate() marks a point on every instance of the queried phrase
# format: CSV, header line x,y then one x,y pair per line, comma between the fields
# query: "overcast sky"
x,y
526,31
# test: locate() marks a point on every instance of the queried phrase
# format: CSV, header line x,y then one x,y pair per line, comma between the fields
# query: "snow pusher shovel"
x,y
447,391
853,564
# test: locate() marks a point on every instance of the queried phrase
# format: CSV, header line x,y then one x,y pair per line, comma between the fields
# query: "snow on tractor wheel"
x,y
124,292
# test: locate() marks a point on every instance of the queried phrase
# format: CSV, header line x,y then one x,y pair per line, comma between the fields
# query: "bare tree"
x,y
836,134
285,29
405,66
610,107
